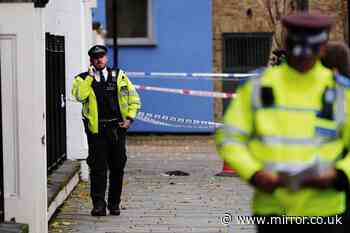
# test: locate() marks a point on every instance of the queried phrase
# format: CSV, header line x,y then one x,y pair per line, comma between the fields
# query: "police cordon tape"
x,y
196,76
159,74
155,122
213,94
170,121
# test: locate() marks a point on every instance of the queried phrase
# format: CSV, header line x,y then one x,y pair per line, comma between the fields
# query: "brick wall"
x,y
233,16
338,9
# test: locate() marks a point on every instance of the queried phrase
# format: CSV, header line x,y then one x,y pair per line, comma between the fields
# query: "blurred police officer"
x,y
109,105
337,58
295,115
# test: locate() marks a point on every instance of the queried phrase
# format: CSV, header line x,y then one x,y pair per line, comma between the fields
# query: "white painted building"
x,y
73,19
22,65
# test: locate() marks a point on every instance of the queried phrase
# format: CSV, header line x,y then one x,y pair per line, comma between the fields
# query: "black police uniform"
x,y
107,147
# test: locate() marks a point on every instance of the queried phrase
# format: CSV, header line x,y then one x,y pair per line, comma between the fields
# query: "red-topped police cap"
x,y
306,32
312,21
97,50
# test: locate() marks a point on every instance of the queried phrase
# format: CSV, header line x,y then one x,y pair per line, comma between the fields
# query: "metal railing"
x,y
55,102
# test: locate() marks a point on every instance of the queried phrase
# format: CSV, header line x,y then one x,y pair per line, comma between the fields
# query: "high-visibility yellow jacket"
x,y
128,98
281,118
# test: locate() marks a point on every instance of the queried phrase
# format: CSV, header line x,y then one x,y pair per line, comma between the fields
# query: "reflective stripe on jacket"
x,y
290,128
129,100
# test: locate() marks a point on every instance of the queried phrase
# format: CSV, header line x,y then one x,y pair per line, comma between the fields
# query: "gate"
x,y
55,101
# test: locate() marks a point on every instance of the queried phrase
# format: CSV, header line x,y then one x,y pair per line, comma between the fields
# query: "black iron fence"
x,y
55,102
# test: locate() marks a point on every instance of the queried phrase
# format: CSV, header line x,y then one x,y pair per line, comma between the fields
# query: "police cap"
x,y
97,50
306,32
312,27
305,21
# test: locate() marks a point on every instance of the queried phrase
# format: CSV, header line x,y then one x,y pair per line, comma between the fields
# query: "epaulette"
x,y
82,75
342,80
122,73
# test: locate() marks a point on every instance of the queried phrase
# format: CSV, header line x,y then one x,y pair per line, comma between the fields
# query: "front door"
x,y
22,56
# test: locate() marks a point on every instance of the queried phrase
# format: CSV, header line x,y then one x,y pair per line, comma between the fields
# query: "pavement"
x,y
155,202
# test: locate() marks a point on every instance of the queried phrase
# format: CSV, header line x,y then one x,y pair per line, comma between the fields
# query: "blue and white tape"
x,y
202,76
173,121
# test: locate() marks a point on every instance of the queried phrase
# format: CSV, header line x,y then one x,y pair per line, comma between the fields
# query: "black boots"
x,y
115,212
98,211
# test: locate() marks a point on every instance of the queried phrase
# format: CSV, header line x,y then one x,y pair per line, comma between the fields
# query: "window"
x,y
243,52
134,22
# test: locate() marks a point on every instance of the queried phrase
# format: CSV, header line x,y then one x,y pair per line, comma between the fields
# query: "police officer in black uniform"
x,y
107,143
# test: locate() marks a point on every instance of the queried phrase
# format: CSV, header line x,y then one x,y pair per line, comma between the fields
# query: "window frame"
x,y
139,41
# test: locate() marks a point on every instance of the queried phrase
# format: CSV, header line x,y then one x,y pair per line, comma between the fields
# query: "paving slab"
x,y
155,202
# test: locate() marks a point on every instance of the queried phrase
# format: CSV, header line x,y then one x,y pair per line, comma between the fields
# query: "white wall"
x,y
22,57
22,52
73,19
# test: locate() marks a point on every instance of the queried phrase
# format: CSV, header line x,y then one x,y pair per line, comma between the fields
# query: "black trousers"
x,y
307,227
107,152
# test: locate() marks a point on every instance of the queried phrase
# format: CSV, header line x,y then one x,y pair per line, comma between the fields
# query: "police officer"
x,y
296,115
109,105
337,58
